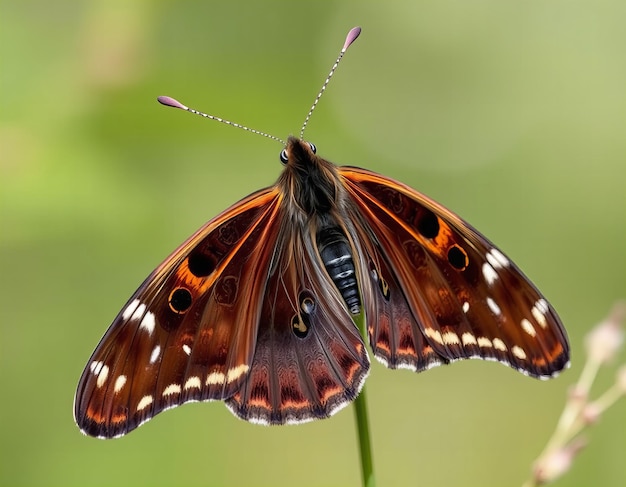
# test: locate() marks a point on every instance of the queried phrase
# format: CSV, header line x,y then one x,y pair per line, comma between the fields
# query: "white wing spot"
x,y
172,389
489,273
497,259
451,338
434,334
119,383
154,356
236,372
519,352
215,378
130,309
499,345
529,328
95,367
103,375
495,309
466,307
542,305
233,374
193,383
135,311
468,339
539,311
187,349
484,342
148,323
144,402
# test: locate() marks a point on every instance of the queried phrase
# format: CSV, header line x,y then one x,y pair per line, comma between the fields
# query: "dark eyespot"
x,y
284,158
180,300
299,327
428,224
200,265
458,257
312,146
307,305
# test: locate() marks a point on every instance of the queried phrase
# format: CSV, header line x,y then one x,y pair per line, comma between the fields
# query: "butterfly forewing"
x,y
464,295
188,332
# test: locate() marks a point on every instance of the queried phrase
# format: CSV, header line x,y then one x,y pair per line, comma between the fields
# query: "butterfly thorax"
x,y
308,180
312,197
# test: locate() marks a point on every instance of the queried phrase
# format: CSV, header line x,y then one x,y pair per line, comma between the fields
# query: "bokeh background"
x,y
511,113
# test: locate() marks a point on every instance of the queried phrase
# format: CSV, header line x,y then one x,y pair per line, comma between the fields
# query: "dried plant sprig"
x,y
602,344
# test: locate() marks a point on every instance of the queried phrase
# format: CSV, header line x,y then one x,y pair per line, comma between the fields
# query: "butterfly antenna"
x,y
350,38
171,102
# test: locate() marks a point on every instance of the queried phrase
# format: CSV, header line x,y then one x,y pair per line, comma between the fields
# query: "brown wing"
x,y
440,291
310,360
188,332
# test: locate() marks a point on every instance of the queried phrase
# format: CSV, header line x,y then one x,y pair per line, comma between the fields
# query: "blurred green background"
x,y
511,113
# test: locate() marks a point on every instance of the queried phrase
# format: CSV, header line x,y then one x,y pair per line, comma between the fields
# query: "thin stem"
x,y
571,413
606,400
363,431
602,344
362,426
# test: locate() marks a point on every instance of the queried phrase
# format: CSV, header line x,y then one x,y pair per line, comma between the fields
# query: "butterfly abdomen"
x,y
335,252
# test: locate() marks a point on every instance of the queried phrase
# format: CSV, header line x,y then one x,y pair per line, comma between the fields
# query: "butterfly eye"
x,y
313,148
284,158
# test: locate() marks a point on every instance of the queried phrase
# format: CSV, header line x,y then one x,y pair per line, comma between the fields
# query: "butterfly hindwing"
x,y
465,296
310,360
188,332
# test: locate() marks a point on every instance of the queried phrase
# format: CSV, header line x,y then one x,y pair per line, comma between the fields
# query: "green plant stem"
x,y
362,425
363,431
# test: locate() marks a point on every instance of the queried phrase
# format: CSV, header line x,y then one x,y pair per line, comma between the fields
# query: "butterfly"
x,y
260,307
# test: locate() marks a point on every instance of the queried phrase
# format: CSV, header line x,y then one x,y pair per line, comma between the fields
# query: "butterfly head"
x,y
308,180
295,148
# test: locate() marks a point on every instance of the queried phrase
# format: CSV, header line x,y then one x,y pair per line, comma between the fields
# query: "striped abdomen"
x,y
335,252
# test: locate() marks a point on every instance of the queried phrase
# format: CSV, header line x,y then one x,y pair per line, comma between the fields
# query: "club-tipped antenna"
x,y
171,102
350,38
